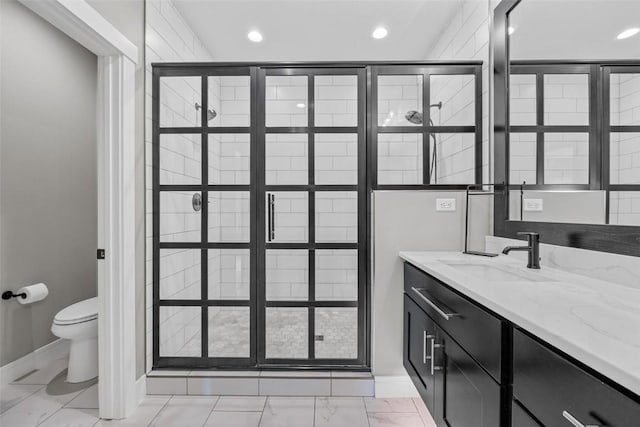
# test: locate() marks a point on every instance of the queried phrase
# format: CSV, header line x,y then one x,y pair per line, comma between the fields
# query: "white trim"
x,y
388,386
37,359
117,57
141,389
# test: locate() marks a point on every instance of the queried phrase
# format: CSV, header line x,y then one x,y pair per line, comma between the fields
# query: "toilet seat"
x,y
80,312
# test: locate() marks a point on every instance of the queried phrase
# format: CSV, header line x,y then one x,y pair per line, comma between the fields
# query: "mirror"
x,y
573,111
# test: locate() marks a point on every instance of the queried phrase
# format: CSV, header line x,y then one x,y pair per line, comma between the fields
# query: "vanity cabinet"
x,y
555,390
453,380
475,369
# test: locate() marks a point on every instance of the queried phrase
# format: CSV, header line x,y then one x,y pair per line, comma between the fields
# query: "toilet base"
x,y
83,360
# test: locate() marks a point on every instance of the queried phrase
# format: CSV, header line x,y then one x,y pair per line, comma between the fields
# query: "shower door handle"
x,y
271,234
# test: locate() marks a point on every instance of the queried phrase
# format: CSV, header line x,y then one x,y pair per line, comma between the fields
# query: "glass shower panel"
x,y
287,277
336,333
336,216
287,217
229,216
180,331
400,158
624,99
229,159
180,162
522,102
336,274
180,274
456,96
454,158
566,158
229,332
286,159
566,99
180,100
287,333
400,100
624,157
286,101
624,208
228,274
336,159
336,100
179,217
229,101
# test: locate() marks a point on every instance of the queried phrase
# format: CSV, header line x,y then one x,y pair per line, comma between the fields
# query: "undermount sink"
x,y
495,273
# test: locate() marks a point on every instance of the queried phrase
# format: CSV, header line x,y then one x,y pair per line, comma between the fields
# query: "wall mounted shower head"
x,y
415,117
211,113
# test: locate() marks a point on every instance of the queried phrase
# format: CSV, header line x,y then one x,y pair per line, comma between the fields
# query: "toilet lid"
x,y
79,312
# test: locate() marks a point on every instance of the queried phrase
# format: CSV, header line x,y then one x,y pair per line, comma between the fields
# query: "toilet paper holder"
x,y
10,294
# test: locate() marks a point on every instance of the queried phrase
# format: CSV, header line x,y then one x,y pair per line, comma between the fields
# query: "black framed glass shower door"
x,y
259,224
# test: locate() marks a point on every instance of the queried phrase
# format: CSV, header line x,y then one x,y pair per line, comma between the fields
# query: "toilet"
x,y
79,324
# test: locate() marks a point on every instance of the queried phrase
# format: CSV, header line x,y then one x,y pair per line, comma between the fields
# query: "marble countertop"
x,y
596,322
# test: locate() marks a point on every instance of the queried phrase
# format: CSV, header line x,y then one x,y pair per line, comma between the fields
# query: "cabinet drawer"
x,y
476,330
553,389
520,418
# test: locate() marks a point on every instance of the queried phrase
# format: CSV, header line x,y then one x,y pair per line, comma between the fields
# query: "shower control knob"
x,y
196,202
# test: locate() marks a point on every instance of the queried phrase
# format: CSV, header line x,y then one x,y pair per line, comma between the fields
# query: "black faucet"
x,y
533,247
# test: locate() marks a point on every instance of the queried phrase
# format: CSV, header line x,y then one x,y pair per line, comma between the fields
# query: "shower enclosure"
x,y
260,208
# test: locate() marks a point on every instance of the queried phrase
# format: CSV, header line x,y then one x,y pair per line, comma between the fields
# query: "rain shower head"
x,y
415,117
211,113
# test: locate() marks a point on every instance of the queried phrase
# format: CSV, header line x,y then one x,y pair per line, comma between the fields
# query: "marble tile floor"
x,y
43,398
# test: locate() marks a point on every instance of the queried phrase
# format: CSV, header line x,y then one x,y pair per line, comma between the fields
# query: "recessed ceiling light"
x,y
300,105
628,33
379,33
511,30
254,36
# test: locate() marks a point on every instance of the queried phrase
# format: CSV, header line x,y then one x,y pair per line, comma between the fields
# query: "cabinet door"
x,y
418,328
466,395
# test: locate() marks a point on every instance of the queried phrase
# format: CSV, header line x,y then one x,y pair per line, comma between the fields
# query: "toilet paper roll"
x,y
35,293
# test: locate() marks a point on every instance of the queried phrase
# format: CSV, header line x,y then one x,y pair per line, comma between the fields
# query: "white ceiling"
x,y
574,29
317,30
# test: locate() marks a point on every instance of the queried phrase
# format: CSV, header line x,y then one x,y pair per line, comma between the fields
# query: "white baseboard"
x,y
37,359
141,389
388,386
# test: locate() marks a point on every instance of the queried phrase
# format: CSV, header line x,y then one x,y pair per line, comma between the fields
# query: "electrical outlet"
x,y
445,205
533,205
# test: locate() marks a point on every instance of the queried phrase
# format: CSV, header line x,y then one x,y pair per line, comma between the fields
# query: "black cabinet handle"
x,y
573,420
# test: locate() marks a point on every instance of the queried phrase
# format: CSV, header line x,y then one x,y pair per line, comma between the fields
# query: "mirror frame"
x,y
619,239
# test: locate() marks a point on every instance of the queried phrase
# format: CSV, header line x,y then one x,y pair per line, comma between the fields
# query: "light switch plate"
x,y
445,205
533,205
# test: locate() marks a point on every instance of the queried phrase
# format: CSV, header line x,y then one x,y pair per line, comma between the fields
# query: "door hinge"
x,y
101,253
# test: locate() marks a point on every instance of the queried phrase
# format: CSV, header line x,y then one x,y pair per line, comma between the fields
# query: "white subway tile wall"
x,y
625,148
457,94
286,159
466,37
291,217
229,216
228,274
287,274
229,159
566,99
522,101
400,158
179,221
180,331
455,158
180,274
397,96
522,158
336,216
229,97
566,158
336,274
169,38
286,101
336,100
336,159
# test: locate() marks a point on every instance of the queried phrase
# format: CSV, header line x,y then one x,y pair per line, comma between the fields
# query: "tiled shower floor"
x,y
42,398
286,335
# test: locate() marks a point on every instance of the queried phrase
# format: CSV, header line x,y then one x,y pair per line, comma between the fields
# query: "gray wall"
x,y
47,175
408,221
128,17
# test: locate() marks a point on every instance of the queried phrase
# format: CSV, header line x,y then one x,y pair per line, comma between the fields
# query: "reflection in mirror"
x,y
574,112
577,207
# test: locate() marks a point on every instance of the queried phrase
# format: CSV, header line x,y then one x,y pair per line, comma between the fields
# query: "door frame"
x,y
117,58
